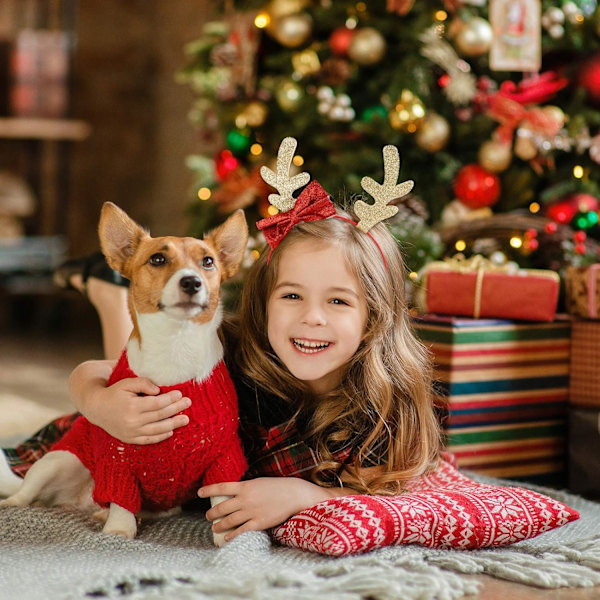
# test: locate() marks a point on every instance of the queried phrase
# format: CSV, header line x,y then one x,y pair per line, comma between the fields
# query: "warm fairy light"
x,y
441,15
460,245
413,275
578,171
262,20
361,6
298,160
411,128
204,193
255,254
534,207
351,23
516,242
256,149
240,121
272,210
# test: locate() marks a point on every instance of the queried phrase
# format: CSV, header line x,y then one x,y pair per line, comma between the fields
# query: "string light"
x,y
413,275
441,15
272,210
256,149
460,245
204,193
516,242
534,207
298,160
578,171
262,20
351,23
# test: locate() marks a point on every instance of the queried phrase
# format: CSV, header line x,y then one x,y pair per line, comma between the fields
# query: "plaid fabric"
x,y
280,452
23,456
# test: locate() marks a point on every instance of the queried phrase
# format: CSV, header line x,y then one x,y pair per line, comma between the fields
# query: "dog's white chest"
x,y
172,351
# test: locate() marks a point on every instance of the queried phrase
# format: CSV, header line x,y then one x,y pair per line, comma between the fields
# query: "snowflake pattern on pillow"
x,y
445,509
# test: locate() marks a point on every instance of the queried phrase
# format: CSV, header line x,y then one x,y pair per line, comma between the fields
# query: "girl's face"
x,y
316,314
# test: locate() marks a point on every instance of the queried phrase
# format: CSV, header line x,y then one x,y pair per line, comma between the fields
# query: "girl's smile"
x,y
316,313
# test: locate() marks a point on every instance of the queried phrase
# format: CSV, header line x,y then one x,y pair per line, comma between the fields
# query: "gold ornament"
x,y
525,147
555,113
433,133
407,113
475,37
289,95
253,115
495,156
306,62
367,46
291,31
283,8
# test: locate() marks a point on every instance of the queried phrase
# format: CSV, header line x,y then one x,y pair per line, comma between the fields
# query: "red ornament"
x,y
339,40
551,227
562,212
225,162
531,234
589,76
475,187
532,244
580,248
580,236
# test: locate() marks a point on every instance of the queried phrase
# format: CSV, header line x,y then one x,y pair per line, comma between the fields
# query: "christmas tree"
x,y
494,106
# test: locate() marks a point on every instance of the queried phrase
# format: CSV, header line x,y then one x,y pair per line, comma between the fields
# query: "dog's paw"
x,y
126,532
219,539
13,501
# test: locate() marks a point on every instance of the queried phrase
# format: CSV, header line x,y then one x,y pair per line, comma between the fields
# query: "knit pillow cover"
x,y
445,509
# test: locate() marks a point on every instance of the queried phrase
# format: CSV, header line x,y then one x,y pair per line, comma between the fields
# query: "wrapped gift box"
x,y
505,389
476,288
584,385
584,451
582,286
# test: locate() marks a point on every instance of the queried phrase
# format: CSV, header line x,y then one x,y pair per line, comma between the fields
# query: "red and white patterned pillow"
x,y
445,509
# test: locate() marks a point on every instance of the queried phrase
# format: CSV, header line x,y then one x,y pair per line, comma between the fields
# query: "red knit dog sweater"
x,y
163,475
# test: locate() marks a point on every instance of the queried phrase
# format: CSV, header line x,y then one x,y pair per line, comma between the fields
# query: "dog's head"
x,y
180,277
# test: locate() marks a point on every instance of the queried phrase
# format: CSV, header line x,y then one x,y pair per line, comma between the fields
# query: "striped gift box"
x,y
505,388
584,387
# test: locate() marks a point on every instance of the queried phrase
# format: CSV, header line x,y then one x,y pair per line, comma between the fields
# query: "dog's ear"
x,y
119,237
230,239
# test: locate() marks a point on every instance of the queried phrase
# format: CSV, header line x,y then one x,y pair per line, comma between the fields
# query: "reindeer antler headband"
x,y
314,203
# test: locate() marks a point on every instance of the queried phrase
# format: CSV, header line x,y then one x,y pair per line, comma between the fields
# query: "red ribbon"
x,y
313,204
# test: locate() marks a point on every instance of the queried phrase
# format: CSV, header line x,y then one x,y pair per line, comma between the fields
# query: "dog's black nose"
x,y
190,284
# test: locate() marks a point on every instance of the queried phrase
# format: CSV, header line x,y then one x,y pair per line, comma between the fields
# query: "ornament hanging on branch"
x,y
433,133
289,95
461,86
474,37
367,46
407,113
339,40
336,107
475,187
291,31
495,155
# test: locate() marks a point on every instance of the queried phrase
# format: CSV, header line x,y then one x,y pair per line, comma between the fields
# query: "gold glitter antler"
x,y
383,193
282,181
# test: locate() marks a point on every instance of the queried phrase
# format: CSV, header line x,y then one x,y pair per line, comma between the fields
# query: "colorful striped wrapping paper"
x,y
505,386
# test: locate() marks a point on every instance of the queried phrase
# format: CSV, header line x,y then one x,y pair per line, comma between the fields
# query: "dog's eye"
x,y
157,260
208,262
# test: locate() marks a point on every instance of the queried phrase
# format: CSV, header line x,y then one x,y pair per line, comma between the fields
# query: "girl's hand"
x,y
130,410
261,503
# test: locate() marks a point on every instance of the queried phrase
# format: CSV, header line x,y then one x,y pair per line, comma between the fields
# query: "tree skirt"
x,y
62,554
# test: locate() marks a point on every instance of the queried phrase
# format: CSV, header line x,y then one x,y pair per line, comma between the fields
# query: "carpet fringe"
x,y
367,578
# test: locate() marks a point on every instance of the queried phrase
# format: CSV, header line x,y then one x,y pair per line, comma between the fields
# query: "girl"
x,y
334,389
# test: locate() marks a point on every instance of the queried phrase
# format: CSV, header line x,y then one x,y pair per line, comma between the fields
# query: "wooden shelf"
x,y
43,129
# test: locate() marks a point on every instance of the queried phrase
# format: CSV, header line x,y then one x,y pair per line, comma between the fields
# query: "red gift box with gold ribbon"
x,y
475,287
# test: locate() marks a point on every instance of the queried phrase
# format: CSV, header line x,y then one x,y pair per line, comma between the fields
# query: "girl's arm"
x,y
132,410
263,503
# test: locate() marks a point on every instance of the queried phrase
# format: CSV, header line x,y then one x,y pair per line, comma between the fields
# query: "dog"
x,y
174,301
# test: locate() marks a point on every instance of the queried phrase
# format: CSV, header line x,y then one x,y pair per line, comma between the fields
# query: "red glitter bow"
x,y
313,204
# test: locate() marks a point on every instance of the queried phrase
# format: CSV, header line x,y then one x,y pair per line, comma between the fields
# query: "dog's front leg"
x,y
120,522
219,538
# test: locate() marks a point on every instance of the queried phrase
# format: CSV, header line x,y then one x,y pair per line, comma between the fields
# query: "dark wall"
x,y
128,52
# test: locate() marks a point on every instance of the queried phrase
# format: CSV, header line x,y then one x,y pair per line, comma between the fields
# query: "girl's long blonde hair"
x,y
383,406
